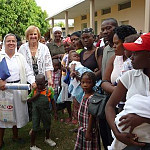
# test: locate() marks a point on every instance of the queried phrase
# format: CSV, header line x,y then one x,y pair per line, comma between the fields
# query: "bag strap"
x,y
96,56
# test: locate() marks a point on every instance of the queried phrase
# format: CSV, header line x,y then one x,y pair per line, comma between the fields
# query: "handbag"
x,y
97,105
6,106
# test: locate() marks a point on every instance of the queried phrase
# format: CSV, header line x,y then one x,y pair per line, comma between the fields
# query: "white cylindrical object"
x,y
17,86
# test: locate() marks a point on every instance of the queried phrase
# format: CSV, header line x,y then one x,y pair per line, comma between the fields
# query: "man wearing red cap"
x,y
133,82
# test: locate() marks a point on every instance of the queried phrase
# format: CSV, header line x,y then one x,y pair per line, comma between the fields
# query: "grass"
x,y
60,133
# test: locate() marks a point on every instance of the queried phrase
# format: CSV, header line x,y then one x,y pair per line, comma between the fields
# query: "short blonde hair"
x,y
30,29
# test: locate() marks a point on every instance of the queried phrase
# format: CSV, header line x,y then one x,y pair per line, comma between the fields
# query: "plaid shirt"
x,y
83,118
56,79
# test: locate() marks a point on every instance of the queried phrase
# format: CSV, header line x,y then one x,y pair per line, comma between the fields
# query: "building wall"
x,y
134,16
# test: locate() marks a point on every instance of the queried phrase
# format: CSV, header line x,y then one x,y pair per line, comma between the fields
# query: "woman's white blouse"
x,y
44,59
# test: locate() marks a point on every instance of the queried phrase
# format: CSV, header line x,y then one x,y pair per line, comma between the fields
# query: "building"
x,y
90,13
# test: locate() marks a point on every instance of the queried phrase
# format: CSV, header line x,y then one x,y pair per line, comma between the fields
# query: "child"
x,y
40,98
67,47
76,70
56,75
64,99
86,137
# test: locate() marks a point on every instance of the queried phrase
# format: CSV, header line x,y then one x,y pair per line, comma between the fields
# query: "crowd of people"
x,y
62,74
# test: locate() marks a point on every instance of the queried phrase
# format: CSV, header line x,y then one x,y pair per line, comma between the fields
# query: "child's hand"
x,y
73,74
78,76
88,136
33,86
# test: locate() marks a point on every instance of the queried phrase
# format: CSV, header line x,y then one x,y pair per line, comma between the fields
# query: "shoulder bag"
x,y
97,105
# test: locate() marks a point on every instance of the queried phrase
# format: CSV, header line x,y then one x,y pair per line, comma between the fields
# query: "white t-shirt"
x,y
136,82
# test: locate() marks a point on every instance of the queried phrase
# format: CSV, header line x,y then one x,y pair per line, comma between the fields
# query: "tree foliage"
x,y
60,24
17,15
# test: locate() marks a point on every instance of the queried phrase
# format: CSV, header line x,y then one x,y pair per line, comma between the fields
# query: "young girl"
x,y
86,137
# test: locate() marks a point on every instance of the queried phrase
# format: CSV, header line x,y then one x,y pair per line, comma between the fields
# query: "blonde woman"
x,y
37,54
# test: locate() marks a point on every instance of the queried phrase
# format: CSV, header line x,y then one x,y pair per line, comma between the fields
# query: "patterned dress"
x,y
83,118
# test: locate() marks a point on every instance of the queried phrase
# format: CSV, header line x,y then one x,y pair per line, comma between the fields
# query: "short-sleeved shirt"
x,y
48,92
136,82
90,62
107,53
55,49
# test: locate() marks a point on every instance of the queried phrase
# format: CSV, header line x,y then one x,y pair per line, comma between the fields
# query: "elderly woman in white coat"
x,y
37,54
20,73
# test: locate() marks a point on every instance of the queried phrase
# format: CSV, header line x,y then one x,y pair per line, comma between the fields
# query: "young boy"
x,y
40,98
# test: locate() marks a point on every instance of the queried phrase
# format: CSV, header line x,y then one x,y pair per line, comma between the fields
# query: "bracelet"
x,y
103,82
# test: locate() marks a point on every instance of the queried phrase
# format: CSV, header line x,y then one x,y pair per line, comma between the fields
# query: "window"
x,y
124,5
126,22
83,25
96,14
95,27
106,11
84,17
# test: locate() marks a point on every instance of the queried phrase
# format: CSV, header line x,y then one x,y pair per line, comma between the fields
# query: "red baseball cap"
x,y
141,44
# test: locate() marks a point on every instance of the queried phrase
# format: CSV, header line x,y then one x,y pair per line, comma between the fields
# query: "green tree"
x,y
17,15
60,24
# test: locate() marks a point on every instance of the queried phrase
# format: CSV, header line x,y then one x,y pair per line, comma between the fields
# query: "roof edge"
x,y
80,1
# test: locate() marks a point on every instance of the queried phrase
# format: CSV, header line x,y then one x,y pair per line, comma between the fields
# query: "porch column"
x,y
147,16
92,14
52,28
66,22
